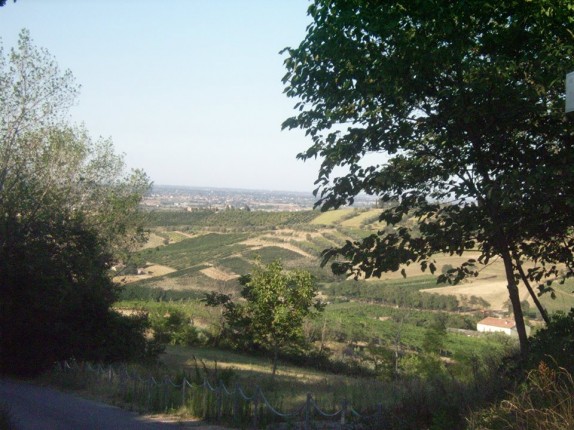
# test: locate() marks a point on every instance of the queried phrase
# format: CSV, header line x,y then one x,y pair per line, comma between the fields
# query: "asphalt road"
x,y
40,408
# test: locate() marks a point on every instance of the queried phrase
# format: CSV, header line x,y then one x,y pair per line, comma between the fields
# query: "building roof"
x,y
498,322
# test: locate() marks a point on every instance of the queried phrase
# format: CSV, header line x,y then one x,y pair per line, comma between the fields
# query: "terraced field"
x,y
203,257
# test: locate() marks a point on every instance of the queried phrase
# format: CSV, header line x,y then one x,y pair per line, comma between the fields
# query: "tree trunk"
x,y
515,301
541,309
275,358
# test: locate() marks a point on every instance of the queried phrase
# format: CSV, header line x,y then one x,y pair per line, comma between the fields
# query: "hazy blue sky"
x,y
189,90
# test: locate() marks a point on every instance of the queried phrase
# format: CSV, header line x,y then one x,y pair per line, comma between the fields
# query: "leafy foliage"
x,y
554,344
172,326
67,211
465,101
271,317
404,294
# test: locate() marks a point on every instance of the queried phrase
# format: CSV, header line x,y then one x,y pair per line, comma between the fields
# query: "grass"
x,y
271,253
544,401
331,217
175,236
238,265
289,388
364,218
564,300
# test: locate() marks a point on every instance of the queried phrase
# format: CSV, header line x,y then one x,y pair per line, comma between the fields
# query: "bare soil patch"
x,y
150,271
494,292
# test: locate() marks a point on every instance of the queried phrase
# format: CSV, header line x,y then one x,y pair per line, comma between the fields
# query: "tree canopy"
x,y
271,316
456,111
68,210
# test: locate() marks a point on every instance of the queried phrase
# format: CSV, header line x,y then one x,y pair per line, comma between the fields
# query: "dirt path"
x,y
33,407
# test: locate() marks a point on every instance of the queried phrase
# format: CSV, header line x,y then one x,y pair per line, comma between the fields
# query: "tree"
x,y
67,212
456,109
275,307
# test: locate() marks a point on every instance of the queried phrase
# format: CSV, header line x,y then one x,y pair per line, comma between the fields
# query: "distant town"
x,y
180,197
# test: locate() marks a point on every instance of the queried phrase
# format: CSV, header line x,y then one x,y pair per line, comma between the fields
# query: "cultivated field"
x,y
206,250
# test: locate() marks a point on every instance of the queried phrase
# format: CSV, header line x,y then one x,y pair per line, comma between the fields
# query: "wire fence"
x,y
212,401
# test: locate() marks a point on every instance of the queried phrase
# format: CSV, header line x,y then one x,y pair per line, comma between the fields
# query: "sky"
x,y
189,90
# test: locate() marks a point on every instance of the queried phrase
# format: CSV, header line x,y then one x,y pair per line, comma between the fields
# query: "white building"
x,y
502,325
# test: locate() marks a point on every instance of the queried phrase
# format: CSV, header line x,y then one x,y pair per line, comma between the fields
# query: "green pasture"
x,y
564,297
363,219
336,237
332,217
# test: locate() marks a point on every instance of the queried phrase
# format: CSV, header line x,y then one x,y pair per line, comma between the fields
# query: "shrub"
x,y
556,341
172,326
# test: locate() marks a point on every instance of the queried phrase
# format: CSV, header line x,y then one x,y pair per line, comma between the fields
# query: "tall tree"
x,y
454,108
68,210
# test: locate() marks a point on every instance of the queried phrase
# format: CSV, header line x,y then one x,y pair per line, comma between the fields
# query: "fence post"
x,y
183,382
255,408
206,411
235,403
165,393
308,412
344,405
147,384
218,396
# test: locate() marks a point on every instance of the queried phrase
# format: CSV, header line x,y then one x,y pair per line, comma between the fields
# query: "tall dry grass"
x,y
545,401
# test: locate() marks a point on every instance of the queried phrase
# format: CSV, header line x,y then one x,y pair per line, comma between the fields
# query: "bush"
x,y
56,301
172,326
555,341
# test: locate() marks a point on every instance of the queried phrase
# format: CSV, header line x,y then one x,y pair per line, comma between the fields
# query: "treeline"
x,y
69,210
232,218
392,294
134,292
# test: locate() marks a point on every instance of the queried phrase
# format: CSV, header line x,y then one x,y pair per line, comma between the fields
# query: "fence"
x,y
214,402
